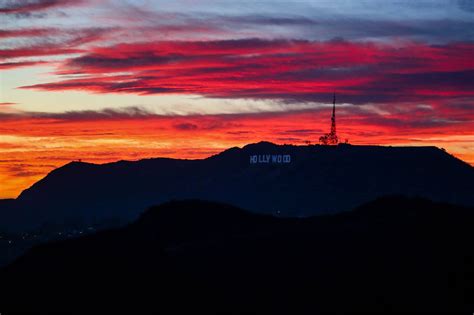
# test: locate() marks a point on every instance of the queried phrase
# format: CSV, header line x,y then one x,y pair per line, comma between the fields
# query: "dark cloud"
x,y
56,43
302,131
466,5
186,126
204,122
19,64
320,26
290,139
415,122
84,115
419,86
432,30
239,132
29,6
264,20
24,170
140,59
26,32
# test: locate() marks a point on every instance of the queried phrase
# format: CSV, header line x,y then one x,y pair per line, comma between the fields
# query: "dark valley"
x,y
392,254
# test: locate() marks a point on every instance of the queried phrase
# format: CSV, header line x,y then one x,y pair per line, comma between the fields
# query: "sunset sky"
x,y
103,80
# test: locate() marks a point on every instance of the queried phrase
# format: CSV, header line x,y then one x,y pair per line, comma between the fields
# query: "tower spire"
x,y
331,138
333,118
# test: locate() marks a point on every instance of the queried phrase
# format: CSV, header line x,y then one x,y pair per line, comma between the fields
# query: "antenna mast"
x,y
331,138
333,118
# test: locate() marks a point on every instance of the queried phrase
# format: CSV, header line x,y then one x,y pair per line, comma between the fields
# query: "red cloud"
x,y
255,68
34,51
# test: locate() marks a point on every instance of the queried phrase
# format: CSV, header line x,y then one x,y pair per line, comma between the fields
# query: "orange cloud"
x,y
30,147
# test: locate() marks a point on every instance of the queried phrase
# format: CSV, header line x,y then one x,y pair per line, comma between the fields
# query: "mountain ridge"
x,y
318,179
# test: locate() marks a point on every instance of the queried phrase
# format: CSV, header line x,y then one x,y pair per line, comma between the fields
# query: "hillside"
x,y
393,254
317,180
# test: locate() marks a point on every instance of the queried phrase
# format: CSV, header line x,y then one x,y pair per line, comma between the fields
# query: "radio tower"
x,y
331,138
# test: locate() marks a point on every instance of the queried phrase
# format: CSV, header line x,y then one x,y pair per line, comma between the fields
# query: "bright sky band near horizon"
x,y
103,80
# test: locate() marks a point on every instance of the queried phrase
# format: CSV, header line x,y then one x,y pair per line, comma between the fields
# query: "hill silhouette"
x,y
319,179
393,254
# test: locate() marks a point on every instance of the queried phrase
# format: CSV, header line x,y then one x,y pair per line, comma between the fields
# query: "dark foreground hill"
x,y
296,181
393,254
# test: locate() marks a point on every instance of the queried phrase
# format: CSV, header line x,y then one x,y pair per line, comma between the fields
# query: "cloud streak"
x,y
29,6
45,42
420,117
296,70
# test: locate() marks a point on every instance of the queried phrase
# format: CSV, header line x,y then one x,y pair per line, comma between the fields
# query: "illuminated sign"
x,y
270,158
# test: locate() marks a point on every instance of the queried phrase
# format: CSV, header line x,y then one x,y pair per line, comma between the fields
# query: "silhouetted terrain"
x,y
394,254
319,179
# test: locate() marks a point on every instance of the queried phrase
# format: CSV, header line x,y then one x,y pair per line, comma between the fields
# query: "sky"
x,y
103,80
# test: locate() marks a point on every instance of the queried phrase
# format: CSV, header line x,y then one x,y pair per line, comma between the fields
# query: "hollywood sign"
x,y
270,158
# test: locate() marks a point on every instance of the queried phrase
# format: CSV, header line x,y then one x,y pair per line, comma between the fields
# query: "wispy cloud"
x,y
30,6
295,70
